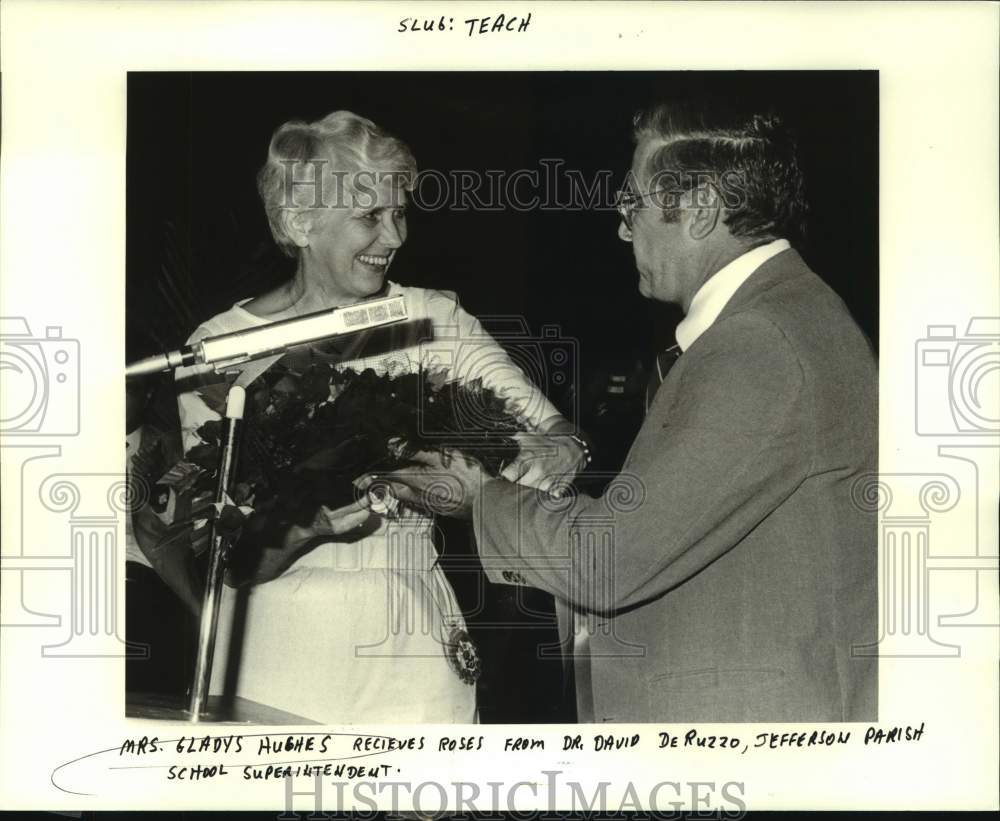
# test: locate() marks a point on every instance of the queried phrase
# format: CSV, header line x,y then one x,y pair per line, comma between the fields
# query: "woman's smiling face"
x,y
351,244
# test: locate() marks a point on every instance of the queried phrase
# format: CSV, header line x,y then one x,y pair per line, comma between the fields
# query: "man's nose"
x,y
624,233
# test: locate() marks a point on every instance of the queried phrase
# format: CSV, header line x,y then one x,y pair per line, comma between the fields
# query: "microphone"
x,y
225,350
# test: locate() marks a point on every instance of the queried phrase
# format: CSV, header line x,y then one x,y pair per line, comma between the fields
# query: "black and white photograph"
x,y
490,509
543,408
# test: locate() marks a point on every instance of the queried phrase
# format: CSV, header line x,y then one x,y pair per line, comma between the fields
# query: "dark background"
x,y
197,240
196,141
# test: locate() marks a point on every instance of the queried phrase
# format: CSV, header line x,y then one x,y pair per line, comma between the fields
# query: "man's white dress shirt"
x,y
712,297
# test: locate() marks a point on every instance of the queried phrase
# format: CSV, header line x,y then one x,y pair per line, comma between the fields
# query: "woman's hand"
x,y
548,460
348,520
343,524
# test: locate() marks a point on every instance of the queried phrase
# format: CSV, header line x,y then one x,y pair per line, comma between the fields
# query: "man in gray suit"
x,y
727,571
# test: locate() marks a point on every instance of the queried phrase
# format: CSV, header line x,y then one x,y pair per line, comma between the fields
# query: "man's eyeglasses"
x,y
628,201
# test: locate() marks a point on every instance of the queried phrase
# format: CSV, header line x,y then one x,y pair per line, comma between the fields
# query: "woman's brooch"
x,y
463,656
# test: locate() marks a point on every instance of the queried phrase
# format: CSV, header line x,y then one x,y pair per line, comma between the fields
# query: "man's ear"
x,y
298,225
704,211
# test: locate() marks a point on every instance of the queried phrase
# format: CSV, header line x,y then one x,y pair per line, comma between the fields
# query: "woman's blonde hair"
x,y
339,148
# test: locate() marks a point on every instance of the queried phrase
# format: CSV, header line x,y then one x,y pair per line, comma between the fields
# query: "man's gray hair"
x,y
750,157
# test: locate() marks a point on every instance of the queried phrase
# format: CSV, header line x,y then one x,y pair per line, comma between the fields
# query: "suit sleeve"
x,y
724,444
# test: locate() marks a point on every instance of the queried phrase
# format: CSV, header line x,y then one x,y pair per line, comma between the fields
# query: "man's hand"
x,y
445,485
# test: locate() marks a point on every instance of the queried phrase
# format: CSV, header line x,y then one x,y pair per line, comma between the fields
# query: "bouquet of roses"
x,y
310,433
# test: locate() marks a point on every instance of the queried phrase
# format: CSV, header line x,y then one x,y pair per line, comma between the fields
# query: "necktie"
x,y
664,362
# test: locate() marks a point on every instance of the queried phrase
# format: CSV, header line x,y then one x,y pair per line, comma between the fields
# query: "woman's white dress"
x,y
362,632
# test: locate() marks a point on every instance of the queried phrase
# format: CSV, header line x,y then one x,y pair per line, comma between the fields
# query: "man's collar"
x,y
712,297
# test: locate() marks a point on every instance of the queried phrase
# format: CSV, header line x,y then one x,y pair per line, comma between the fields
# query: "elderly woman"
x,y
350,619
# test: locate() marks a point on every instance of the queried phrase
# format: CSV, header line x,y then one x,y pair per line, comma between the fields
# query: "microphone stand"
x,y
238,348
219,547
